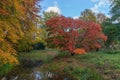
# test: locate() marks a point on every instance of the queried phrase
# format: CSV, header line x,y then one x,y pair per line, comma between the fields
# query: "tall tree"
x,y
100,17
49,15
88,15
29,22
115,10
67,33
111,26
41,34
17,21
112,30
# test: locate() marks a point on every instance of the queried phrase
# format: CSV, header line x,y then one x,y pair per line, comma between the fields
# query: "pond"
x,y
30,72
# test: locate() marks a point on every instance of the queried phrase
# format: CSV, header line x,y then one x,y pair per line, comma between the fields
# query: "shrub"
x,y
79,51
39,46
23,45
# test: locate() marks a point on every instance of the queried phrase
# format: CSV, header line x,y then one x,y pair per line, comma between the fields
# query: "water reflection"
x,y
34,74
38,75
26,71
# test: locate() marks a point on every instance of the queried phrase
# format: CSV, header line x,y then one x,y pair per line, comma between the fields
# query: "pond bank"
x,y
60,65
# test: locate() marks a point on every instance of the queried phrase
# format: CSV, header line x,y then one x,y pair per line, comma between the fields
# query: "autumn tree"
x,y
29,23
18,19
69,34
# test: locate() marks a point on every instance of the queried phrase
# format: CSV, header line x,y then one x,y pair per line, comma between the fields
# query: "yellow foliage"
x,y
10,31
40,35
7,58
17,20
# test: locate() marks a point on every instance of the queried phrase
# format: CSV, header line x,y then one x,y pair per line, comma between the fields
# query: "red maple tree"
x,y
69,34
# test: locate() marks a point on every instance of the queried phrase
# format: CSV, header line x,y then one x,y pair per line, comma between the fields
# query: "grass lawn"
x,y
44,55
91,66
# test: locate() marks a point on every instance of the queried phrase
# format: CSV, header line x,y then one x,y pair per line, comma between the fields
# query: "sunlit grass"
x,y
44,55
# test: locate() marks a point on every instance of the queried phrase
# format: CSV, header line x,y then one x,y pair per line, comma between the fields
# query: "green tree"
x,y
115,10
42,34
112,30
88,15
111,26
49,15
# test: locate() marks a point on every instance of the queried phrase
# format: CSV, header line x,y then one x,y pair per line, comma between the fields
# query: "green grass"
x,y
91,66
5,69
106,64
101,58
44,55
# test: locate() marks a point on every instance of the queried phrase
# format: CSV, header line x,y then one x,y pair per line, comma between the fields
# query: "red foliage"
x,y
67,33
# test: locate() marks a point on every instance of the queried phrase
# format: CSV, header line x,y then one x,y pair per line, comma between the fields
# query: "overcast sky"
x,y
73,8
